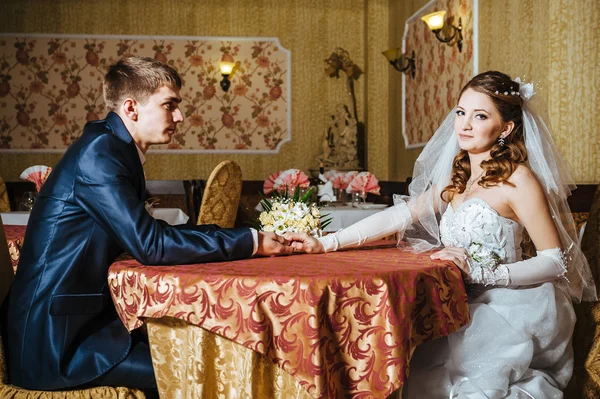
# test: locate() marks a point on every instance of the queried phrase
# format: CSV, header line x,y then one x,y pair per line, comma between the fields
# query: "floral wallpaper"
x,y
51,85
441,71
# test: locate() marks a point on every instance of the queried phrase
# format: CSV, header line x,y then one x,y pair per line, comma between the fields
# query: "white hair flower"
x,y
526,90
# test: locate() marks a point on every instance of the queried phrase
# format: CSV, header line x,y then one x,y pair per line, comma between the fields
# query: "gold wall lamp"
x,y
435,22
401,62
227,70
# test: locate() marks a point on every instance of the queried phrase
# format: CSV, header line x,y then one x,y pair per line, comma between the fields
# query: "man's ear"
x,y
129,107
508,128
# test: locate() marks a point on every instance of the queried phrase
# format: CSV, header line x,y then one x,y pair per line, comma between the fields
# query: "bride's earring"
x,y
501,141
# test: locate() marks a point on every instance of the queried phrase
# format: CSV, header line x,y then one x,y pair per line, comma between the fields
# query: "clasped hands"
x,y
272,244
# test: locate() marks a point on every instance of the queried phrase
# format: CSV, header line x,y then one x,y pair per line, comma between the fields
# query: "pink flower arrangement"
x,y
330,174
348,177
36,174
290,179
340,180
270,183
364,183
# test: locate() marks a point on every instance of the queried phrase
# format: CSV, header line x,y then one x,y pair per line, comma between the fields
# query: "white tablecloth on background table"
x,y
344,216
172,216
15,218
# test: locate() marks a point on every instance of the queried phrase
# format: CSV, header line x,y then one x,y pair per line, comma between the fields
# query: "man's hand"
x,y
271,244
302,242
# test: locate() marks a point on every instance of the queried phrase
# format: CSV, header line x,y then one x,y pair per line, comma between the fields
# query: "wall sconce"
x,y
401,62
227,70
435,22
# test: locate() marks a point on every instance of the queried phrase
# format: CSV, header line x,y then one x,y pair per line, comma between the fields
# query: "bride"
x,y
490,171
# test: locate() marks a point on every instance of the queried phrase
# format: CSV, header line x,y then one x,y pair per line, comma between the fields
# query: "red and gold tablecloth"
x,y
14,236
342,324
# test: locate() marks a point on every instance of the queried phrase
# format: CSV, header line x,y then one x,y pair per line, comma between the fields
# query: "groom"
x,y
62,330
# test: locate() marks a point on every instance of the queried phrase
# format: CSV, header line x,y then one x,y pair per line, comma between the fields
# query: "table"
x,y
337,324
15,218
172,216
344,216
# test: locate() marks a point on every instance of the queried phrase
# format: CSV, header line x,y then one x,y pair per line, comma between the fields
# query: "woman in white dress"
x,y
490,171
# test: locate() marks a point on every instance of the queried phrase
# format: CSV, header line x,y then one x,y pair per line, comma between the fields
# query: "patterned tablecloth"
x,y
342,324
14,236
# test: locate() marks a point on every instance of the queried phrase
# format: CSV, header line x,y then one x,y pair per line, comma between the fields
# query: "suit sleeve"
x,y
105,189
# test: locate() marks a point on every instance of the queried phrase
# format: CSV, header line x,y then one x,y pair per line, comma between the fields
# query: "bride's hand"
x,y
459,256
302,242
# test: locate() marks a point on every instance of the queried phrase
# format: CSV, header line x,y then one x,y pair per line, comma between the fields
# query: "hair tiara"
x,y
526,90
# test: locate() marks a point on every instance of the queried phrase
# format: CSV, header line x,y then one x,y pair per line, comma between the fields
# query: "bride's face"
x,y
477,123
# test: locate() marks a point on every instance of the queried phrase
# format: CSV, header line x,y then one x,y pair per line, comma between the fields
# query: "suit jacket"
x,y
62,328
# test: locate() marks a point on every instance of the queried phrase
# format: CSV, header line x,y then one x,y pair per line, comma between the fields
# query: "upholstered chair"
x,y
221,195
12,392
4,204
585,383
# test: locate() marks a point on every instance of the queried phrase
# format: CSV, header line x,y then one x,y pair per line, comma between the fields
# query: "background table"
x,y
18,218
172,216
338,324
344,216
16,222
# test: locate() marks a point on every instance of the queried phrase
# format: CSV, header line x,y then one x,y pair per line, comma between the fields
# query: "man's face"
x,y
158,117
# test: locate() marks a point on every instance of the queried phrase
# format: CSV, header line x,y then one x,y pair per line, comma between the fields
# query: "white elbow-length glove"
x,y
548,265
393,220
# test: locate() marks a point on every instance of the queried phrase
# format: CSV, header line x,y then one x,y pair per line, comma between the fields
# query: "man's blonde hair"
x,y
137,78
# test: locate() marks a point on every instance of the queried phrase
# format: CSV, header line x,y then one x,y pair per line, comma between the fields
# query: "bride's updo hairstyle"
x,y
504,93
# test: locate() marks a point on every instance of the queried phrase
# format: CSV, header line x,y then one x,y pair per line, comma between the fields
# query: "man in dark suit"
x,y
62,329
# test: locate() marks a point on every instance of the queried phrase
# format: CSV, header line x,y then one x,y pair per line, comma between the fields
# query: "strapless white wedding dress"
x,y
518,343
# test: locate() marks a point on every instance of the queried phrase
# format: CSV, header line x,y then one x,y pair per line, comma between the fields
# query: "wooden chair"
x,y
4,203
8,391
585,383
221,195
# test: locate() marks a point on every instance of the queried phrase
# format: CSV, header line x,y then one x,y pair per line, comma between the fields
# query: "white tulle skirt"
x,y
518,345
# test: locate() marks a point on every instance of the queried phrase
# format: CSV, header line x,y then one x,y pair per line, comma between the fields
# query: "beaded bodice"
x,y
475,221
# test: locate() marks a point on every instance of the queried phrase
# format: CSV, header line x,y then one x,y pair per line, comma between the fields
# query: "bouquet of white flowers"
x,y
283,214
483,256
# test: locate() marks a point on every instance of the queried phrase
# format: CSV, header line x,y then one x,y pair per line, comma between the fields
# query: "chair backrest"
x,y
6,270
585,382
590,242
4,203
221,195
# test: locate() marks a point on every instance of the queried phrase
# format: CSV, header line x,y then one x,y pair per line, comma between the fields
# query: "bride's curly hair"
x,y
504,159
